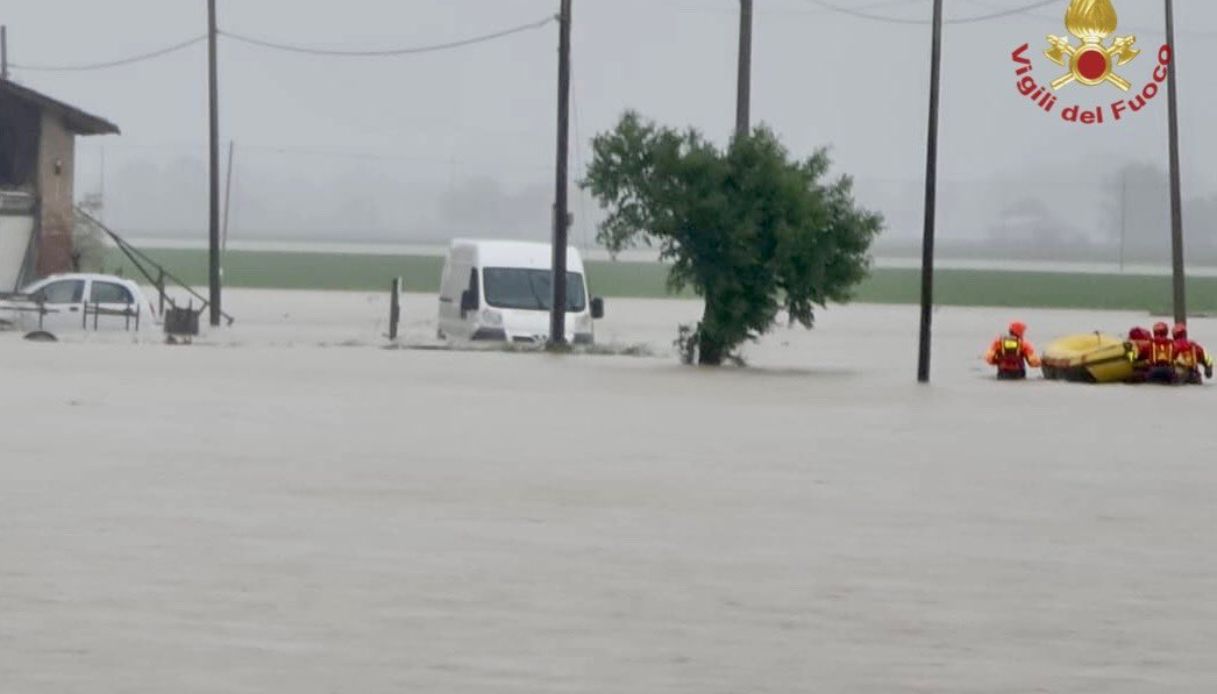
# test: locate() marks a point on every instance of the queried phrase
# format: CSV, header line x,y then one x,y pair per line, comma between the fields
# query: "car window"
x,y
61,292
109,293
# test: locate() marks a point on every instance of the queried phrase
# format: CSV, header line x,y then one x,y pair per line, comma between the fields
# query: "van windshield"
x,y
530,290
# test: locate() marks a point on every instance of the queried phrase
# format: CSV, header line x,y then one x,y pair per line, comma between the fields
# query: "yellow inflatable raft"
x,y
1091,358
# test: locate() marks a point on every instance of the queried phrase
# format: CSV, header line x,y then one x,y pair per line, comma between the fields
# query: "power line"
x,y
292,48
862,14
413,50
114,63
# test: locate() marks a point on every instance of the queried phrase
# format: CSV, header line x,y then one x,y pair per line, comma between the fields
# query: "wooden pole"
x,y
557,312
394,307
214,152
1178,269
931,200
743,94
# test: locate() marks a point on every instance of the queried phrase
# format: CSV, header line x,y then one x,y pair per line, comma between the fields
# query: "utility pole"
x,y
3,52
1177,264
743,93
557,311
214,147
931,200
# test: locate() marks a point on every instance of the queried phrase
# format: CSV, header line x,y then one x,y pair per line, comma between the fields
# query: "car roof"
x,y
525,254
87,276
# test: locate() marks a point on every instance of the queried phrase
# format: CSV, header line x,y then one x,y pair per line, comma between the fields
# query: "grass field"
x,y
282,270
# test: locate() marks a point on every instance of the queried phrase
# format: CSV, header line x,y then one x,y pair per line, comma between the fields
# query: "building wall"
x,y
20,129
56,211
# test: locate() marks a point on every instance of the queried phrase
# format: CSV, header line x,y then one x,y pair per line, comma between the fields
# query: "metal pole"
x,y
931,199
3,52
743,95
214,146
557,312
1177,265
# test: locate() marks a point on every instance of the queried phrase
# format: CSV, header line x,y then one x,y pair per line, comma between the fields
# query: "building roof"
x,y
77,120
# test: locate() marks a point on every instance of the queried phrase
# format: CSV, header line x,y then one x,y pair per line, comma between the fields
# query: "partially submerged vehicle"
x,y
503,290
78,302
1089,358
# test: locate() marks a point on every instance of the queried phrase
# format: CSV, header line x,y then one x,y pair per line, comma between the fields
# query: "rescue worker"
x,y
1160,356
1139,341
1190,357
1012,354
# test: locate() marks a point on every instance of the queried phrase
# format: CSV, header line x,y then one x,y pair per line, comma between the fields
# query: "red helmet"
x,y
1161,330
1138,334
1018,329
1180,331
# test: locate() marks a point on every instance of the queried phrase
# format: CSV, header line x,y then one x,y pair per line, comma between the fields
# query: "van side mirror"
x,y
597,308
469,301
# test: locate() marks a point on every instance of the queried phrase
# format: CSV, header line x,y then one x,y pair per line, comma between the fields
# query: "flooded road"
x,y
289,508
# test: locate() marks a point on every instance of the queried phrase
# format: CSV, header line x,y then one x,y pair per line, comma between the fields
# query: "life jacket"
x,y
1162,352
1185,356
1010,354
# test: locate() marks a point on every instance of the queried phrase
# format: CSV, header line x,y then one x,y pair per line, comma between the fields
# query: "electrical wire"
x,y
292,48
288,47
862,14
113,63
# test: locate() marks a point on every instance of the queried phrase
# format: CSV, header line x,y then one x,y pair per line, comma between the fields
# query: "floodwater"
x,y
286,507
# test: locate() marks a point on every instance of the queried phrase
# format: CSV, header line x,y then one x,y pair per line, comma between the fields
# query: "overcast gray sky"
x,y
405,145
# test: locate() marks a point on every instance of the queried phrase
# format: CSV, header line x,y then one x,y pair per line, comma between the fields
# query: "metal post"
x,y
3,52
931,199
1177,264
743,94
214,146
557,313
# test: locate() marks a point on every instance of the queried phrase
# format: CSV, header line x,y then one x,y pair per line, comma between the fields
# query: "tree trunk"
x,y
710,349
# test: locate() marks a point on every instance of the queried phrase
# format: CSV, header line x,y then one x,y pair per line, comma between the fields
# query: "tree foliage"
x,y
749,229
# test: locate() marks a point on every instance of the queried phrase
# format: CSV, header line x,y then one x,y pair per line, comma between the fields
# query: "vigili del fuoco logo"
x,y
1095,62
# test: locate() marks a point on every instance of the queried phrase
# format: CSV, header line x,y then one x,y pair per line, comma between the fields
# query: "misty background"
x,y
422,148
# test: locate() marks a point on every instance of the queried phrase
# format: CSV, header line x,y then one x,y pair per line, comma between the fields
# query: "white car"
x,y
502,291
79,302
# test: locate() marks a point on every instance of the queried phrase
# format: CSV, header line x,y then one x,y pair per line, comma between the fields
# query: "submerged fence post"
x,y
394,307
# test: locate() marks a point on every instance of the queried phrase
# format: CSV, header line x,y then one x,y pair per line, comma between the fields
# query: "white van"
x,y
502,290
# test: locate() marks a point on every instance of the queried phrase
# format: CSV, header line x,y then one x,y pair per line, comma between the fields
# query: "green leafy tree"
x,y
749,229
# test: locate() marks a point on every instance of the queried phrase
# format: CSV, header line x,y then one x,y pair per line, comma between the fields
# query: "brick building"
x,y
37,165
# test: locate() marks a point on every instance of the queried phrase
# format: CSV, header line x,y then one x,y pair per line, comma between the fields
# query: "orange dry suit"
x,y
1011,355
1139,340
1160,354
1189,359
